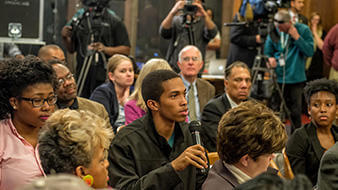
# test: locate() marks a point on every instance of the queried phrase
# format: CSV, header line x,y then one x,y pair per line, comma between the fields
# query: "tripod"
x,y
92,56
257,71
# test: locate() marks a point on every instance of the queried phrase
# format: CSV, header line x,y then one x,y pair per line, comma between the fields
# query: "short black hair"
x,y
318,85
16,75
152,88
228,69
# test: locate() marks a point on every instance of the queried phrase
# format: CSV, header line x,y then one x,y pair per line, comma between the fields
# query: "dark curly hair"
x,y
251,128
318,85
16,75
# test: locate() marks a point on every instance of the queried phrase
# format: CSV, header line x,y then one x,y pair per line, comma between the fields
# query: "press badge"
x,y
281,60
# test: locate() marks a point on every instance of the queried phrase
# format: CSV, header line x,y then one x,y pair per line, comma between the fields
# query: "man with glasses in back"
x,y
199,91
67,95
287,54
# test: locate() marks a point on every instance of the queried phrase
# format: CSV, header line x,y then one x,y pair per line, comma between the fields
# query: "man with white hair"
x,y
199,91
287,54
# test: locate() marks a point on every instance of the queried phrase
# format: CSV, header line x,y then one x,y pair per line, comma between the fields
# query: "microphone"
x,y
194,128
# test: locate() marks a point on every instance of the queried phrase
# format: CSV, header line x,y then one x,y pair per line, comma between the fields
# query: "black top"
x,y
140,158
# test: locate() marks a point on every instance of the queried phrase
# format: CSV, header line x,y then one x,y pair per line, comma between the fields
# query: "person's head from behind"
x,y
247,137
49,52
282,21
76,142
237,81
163,92
322,96
120,70
27,91
190,61
150,66
66,85
297,5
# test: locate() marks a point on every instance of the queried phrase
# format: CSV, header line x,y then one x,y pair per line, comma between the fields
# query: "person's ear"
x,y
80,171
111,76
245,160
153,105
14,102
309,110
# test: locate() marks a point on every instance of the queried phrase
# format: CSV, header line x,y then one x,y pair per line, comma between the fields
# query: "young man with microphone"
x,y
157,150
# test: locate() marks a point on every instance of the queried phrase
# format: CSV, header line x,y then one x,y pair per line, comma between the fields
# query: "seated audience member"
x,y
57,182
135,106
76,142
114,93
27,99
200,91
67,94
248,135
307,145
237,84
268,181
328,169
157,151
49,52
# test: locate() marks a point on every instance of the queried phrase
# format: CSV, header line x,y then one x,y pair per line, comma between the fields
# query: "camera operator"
x,y
244,40
192,26
95,31
288,56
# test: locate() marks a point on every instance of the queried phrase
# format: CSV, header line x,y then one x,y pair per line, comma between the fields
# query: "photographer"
x,y
192,26
95,31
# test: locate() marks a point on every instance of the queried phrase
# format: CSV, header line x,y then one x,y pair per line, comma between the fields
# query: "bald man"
x,y
49,52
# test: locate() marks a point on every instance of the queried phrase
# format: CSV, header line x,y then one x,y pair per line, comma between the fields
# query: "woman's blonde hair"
x,y
70,138
115,60
151,65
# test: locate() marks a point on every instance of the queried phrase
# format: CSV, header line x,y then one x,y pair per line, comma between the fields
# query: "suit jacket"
x,y
304,151
328,170
211,115
220,178
205,92
105,94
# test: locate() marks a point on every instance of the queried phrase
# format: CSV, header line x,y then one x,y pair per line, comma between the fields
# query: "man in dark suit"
x,y
237,84
296,7
199,91
328,170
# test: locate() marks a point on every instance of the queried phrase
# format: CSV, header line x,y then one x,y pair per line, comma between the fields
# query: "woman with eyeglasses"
x,y
27,99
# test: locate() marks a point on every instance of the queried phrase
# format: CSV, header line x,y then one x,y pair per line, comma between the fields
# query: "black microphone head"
x,y
194,126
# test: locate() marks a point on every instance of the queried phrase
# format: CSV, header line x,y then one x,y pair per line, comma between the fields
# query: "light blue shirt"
x,y
197,104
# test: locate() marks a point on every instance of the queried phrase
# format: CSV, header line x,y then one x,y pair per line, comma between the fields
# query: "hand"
x,y
272,63
314,28
66,32
293,32
178,6
193,155
97,46
200,10
258,39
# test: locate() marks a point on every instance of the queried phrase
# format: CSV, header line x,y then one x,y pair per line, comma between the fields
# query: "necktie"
x,y
191,103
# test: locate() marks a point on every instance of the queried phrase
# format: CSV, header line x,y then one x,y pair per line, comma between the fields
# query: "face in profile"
x,y
191,63
173,104
323,108
123,75
98,168
30,107
238,84
66,91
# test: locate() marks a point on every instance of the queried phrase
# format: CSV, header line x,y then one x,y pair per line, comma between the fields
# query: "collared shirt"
x,y
232,103
74,106
293,17
19,160
197,104
239,174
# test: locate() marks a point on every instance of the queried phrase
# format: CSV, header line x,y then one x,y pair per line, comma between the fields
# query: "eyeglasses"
x,y
186,59
61,81
39,102
279,21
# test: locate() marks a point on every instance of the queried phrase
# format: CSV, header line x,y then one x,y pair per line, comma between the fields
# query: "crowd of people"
x,y
115,128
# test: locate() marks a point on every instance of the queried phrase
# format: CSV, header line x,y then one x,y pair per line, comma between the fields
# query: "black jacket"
x,y
211,115
140,158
